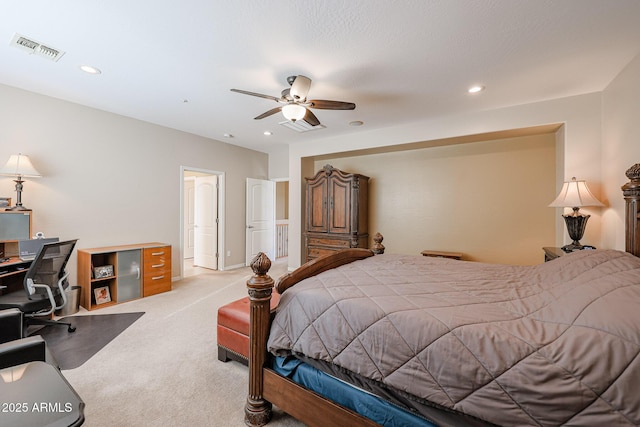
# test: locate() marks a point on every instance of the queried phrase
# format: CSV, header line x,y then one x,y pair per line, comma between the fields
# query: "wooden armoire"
x,y
336,212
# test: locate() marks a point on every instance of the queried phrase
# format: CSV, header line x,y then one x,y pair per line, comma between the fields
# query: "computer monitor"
x,y
28,249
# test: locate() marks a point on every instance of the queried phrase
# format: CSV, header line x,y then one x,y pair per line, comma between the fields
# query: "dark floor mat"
x,y
93,332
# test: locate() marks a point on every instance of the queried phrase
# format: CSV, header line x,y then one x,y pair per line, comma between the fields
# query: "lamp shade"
x,y
575,194
294,112
19,165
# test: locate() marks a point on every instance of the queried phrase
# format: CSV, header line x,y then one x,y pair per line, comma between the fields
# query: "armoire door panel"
x,y
317,207
339,212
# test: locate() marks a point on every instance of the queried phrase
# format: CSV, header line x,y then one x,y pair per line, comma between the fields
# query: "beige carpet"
x,y
163,370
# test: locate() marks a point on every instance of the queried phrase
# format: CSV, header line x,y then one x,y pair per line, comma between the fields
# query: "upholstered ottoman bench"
x,y
233,329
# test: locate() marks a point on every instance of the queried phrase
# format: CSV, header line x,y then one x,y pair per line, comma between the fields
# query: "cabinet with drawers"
x,y
336,212
157,270
113,274
318,245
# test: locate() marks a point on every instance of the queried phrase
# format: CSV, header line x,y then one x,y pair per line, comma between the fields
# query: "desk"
x,y
41,396
12,273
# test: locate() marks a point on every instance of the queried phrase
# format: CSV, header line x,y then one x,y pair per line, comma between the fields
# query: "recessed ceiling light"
x,y
228,135
356,123
267,132
476,89
90,70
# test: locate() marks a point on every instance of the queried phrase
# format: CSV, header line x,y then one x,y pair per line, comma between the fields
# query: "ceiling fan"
x,y
294,102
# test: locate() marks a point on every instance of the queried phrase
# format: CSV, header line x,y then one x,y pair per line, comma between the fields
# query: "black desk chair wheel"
x,y
44,286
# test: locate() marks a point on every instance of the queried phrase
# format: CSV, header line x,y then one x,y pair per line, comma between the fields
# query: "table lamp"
x,y
19,166
575,194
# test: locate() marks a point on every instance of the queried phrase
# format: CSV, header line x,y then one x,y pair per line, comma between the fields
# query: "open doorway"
x,y
282,218
267,218
202,221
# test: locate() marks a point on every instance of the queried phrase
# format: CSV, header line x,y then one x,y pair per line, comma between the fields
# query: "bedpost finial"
x,y
632,188
260,264
633,173
378,247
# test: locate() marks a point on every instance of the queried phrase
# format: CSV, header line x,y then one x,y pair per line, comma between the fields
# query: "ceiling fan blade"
x,y
311,118
300,88
273,98
323,104
268,113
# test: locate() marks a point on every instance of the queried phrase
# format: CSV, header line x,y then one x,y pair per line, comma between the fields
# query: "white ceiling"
x,y
399,61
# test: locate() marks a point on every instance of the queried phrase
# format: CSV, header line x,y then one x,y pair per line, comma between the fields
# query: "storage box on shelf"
x,y
138,270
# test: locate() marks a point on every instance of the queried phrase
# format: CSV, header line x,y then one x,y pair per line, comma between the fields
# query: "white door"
x,y
206,224
261,218
189,216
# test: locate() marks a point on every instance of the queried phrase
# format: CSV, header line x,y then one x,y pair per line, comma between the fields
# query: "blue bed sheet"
x,y
360,401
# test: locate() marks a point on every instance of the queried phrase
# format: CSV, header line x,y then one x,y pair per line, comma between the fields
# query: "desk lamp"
x,y
575,194
19,166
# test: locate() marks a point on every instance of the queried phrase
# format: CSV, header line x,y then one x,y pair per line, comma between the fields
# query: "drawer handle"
x,y
157,265
157,253
158,277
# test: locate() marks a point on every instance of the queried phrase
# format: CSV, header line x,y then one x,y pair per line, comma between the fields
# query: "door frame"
x,y
221,214
188,181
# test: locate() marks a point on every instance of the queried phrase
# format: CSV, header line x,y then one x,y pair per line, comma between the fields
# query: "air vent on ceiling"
x,y
300,126
36,48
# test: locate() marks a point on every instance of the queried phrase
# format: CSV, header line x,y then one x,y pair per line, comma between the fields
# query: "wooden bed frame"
x,y
267,387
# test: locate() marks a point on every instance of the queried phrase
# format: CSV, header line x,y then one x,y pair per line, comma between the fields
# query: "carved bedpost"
x,y
631,191
257,411
378,247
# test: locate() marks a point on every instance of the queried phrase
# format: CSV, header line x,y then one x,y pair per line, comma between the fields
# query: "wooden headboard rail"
x,y
318,265
631,192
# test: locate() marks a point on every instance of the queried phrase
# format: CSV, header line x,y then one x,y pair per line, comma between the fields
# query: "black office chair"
x,y
14,348
44,286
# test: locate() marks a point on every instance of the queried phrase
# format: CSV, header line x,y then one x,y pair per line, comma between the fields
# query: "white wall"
x,y
110,180
620,147
279,163
581,116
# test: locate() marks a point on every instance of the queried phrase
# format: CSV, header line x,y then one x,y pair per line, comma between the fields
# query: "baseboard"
x,y
232,267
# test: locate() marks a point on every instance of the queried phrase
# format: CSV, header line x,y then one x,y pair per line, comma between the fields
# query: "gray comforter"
x,y
551,344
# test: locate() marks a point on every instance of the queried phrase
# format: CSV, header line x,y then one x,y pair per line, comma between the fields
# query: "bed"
x,y
410,340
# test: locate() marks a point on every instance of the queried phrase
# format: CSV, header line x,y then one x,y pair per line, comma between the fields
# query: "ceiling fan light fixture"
x,y
295,106
294,112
